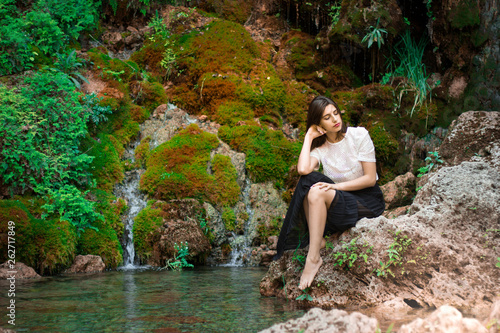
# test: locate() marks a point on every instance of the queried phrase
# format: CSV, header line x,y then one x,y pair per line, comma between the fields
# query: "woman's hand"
x,y
315,131
325,186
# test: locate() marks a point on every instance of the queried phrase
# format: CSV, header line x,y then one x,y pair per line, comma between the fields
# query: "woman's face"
x,y
331,121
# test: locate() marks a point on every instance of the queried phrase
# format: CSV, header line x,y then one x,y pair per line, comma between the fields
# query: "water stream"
x,y
128,189
205,299
241,244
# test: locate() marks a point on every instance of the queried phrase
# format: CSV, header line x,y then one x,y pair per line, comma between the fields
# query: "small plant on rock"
x,y
431,161
179,262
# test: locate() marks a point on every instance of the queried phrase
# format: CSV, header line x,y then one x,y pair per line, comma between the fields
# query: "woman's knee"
x,y
316,194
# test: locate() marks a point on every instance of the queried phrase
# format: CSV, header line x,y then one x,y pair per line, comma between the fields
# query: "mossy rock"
x,y
47,245
142,152
229,218
232,10
145,223
232,112
269,153
464,13
106,166
226,190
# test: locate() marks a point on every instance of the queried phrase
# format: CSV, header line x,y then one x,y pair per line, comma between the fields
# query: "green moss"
x,y
269,153
464,14
152,95
232,112
142,151
145,223
127,132
226,189
385,144
273,229
46,245
106,167
177,168
229,218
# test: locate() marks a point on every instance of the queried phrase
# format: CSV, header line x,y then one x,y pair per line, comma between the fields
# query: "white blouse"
x,y
342,160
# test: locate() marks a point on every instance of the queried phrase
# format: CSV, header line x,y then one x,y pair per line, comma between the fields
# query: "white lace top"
x,y
342,160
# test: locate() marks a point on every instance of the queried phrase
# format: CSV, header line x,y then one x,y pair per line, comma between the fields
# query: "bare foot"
x,y
309,272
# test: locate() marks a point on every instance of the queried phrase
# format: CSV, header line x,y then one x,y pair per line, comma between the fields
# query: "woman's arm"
x,y
306,163
368,179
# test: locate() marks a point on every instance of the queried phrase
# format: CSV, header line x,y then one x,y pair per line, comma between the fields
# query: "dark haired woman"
x,y
332,201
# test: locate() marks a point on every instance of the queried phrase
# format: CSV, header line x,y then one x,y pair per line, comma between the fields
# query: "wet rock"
x,y
21,270
87,264
183,227
400,191
273,242
215,223
443,320
237,159
267,205
317,320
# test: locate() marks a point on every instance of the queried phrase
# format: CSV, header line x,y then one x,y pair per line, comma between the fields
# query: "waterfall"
x,y
241,244
128,189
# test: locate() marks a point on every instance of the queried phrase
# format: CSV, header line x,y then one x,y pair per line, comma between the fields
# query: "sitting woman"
x,y
332,202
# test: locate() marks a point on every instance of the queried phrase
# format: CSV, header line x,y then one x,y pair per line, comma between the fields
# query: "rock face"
x,y
87,264
443,252
333,321
180,226
22,271
445,319
399,191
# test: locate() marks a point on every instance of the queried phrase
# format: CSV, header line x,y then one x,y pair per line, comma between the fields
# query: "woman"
x,y
334,201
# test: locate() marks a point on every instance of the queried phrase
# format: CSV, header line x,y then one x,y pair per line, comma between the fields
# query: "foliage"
x,y
395,253
498,262
334,12
350,253
305,295
408,64
179,261
97,111
41,126
374,36
430,161
72,16
71,205
16,54
69,64
44,32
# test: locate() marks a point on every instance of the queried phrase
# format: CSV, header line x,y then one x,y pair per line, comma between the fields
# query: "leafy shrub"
x,y
41,125
16,54
72,16
44,32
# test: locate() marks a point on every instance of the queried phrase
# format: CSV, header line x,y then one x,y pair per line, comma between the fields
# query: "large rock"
x,y
321,321
474,136
443,320
87,264
181,226
400,191
444,252
21,270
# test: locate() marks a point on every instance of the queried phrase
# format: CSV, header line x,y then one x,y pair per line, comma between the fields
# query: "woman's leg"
x,y
318,202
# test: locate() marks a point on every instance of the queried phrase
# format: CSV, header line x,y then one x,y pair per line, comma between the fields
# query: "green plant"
x,y
408,64
395,253
70,64
41,125
16,54
97,112
350,254
430,161
169,60
374,36
72,16
498,262
305,295
158,26
334,12
179,262
44,32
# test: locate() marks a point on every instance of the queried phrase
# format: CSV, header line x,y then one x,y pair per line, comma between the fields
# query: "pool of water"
x,y
206,299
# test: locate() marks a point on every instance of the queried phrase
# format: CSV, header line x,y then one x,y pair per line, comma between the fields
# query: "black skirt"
x,y
346,209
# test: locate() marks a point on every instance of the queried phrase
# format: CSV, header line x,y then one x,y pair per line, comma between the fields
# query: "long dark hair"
x,y
314,115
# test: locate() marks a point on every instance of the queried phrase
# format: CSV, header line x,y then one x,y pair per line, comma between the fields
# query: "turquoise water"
x,y
207,299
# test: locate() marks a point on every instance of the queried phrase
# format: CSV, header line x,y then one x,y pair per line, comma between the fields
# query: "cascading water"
x,y
241,244
128,189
